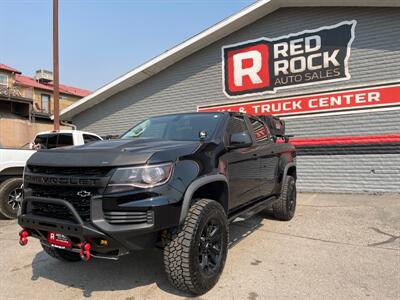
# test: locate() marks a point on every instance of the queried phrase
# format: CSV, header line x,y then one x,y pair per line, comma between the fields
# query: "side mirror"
x,y
239,140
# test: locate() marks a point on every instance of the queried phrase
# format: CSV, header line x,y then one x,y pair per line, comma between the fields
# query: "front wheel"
x,y
10,197
195,254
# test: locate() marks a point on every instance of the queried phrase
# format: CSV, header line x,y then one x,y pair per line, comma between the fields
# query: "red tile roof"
x,y
31,82
8,68
64,89
72,90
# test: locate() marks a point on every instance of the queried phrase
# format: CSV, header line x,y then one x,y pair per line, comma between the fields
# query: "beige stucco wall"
x,y
65,100
15,133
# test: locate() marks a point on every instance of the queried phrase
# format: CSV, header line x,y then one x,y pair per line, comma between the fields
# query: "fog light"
x,y
103,243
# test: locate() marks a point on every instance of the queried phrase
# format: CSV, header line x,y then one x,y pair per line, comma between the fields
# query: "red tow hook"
x,y
85,251
23,237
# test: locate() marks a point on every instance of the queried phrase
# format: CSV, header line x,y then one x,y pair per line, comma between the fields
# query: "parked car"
x,y
12,163
175,181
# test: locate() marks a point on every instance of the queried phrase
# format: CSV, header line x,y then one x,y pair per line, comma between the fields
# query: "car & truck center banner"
x,y
338,101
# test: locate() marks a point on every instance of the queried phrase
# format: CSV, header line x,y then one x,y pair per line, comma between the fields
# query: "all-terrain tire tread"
x,y
280,206
176,252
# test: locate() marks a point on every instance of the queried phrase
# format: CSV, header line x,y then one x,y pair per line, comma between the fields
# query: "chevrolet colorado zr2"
x,y
173,181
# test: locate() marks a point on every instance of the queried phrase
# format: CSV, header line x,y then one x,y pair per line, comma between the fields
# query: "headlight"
x,y
139,177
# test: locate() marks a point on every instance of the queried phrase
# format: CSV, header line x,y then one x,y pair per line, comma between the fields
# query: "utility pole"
x,y
56,81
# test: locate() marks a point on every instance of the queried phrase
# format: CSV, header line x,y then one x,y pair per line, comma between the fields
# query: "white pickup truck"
x,y
12,163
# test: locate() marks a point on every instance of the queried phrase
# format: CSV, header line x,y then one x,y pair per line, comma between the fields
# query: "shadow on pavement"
x,y
140,268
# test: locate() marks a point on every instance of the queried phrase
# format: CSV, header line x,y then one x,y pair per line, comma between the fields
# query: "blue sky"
x,y
101,39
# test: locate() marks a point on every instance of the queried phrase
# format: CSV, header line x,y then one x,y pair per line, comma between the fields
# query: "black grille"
x,y
78,171
69,194
51,210
129,217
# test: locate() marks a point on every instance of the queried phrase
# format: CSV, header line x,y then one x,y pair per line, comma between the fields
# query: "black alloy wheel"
x,y
15,198
210,247
11,196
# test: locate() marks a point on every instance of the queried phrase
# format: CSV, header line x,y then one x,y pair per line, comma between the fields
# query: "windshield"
x,y
175,127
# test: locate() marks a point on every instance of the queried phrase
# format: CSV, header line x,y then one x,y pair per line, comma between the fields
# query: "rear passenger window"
x,y
65,139
88,138
261,132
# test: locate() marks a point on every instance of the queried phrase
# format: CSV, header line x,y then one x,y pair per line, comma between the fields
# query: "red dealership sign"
x,y
265,65
327,102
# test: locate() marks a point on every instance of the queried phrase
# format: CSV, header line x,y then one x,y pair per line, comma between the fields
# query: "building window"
x,y
3,80
28,92
45,103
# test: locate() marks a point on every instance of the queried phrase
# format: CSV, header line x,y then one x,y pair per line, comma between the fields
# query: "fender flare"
x,y
287,167
192,188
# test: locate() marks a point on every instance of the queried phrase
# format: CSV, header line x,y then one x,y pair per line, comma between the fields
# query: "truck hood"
x,y
115,153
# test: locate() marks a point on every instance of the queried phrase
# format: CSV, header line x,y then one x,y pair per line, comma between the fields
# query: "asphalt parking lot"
x,y
337,247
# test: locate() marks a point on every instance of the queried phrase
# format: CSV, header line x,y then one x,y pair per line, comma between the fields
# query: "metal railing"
x,y
9,92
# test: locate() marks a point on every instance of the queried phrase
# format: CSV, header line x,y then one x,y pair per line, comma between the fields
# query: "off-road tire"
x,y
60,254
183,248
285,207
5,188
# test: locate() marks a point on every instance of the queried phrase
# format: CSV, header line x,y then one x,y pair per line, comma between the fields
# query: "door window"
x,y
65,139
237,129
88,138
237,124
52,141
40,141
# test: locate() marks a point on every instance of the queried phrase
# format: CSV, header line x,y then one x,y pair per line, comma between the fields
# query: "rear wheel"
x,y
285,206
10,197
195,254
60,254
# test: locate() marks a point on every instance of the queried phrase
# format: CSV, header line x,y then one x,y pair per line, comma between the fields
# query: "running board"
x,y
252,209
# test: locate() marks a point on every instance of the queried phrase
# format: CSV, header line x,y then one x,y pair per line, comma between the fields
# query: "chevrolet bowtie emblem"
x,y
84,193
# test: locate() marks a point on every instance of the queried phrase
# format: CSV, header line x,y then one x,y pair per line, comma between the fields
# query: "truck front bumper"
x,y
115,227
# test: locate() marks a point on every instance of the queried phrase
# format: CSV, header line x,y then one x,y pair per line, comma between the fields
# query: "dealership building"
x,y
330,69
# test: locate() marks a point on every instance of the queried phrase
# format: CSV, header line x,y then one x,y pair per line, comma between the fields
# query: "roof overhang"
x,y
16,99
227,26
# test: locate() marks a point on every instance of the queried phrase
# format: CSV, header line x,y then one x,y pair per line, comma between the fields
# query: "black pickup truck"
x,y
173,181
